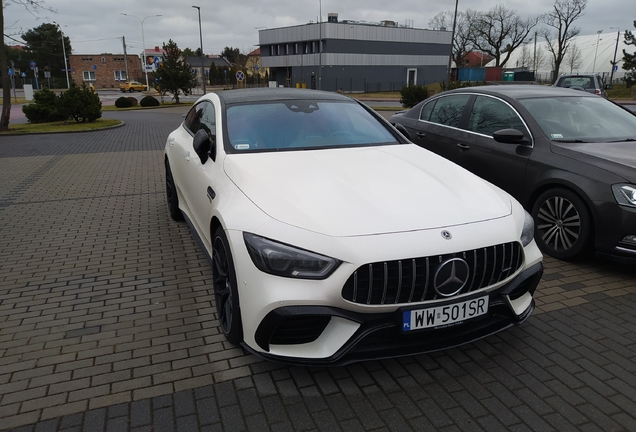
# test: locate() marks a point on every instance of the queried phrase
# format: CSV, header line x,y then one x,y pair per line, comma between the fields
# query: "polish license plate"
x,y
444,315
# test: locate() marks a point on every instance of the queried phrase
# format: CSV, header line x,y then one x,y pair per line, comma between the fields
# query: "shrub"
x,y
43,107
412,95
133,101
80,104
149,101
123,102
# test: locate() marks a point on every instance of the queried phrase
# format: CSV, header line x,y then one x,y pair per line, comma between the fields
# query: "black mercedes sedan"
x,y
569,157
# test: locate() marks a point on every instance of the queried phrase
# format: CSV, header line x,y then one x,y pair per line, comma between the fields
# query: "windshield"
x,y
286,125
581,119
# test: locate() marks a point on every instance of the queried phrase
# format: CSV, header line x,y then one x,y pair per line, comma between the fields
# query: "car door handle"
x,y
211,193
421,135
463,146
186,156
171,141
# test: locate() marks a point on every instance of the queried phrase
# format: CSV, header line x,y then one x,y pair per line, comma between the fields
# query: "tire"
x,y
132,90
225,289
562,224
171,196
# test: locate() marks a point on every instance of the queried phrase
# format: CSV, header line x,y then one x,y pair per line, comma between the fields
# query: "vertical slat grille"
x,y
412,280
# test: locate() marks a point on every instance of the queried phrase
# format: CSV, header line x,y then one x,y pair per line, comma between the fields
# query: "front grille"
x,y
411,280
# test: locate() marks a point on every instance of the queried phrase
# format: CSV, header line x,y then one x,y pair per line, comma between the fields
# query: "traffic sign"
x,y
32,65
240,76
10,72
94,67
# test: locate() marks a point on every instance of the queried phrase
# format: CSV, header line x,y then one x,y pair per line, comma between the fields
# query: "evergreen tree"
x,y
629,60
174,75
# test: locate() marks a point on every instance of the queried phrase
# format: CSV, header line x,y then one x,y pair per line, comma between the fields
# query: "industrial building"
x,y
354,56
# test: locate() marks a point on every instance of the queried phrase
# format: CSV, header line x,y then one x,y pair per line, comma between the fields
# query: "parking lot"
x,y
107,322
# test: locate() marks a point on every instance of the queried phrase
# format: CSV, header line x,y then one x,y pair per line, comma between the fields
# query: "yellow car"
x,y
132,86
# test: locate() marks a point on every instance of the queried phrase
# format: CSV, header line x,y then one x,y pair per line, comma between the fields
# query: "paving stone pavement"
x,y
107,322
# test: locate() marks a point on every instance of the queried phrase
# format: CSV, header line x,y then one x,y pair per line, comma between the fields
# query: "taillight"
x,y
597,91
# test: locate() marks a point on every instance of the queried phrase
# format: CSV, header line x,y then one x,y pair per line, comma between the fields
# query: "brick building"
x,y
105,70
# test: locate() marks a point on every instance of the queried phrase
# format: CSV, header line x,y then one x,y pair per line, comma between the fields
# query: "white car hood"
x,y
364,191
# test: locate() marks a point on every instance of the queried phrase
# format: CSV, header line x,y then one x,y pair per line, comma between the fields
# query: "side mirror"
x,y
403,131
509,136
204,145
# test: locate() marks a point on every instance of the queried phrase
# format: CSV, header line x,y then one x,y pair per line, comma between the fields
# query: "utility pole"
x,y
618,35
123,40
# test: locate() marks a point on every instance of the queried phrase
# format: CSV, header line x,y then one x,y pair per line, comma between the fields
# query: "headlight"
x,y
287,261
625,194
527,234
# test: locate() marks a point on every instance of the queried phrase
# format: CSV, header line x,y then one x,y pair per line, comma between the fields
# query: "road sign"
x,y
240,76
23,74
10,72
32,65
615,68
94,67
256,66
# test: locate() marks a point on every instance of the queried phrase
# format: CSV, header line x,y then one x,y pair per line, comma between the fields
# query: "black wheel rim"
x,y
222,285
559,223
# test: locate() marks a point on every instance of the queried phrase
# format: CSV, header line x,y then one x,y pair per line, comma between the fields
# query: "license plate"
x,y
444,316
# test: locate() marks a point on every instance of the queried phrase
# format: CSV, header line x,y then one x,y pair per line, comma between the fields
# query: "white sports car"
x,y
334,239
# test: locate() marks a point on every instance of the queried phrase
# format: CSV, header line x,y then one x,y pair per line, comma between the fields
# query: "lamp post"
x,y
320,47
450,59
203,78
143,41
618,35
598,38
68,84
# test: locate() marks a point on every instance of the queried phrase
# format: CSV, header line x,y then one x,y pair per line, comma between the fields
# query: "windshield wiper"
x,y
623,140
569,141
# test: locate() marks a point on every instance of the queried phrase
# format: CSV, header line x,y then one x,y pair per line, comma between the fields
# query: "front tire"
x,y
563,227
225,289
132,90
171,195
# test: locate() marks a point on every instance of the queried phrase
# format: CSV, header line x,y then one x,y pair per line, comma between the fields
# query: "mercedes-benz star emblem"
x,y
447,235
451,277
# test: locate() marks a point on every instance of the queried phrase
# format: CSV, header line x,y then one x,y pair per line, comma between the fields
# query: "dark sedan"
x,y
568,157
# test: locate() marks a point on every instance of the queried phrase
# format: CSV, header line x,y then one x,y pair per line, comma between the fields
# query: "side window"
x,y
193,118
208,119
448,110
425,114
490,115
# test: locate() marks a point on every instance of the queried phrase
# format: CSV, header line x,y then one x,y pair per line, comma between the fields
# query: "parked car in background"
x,y
591,83
568,157
333,239
132,86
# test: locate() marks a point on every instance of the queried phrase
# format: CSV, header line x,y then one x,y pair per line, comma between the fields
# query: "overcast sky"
x,y
97,26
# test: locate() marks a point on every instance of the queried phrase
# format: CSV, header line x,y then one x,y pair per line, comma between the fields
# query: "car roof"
x,y
521,91
278,93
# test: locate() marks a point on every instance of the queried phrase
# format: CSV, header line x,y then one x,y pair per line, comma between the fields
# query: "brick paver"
x,y
107,322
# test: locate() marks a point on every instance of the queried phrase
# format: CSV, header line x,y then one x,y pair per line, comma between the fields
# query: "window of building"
x,y
271,50
103,59
89,75
120,75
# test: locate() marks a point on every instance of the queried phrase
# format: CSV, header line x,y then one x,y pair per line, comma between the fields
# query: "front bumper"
x,y
614,225
364,336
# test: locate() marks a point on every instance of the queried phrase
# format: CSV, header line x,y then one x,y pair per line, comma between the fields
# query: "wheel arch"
x,y
561,184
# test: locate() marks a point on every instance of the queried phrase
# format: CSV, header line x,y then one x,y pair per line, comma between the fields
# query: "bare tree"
x,y
573,57
560,19
32,6
499,32
526,56
461,41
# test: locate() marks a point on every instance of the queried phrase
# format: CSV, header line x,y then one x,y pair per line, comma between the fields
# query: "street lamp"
x,y
618,35
450,58
320,48
143,41
203,78
68,84
598,38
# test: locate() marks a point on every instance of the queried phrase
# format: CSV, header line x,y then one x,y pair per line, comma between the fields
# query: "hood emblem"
x,y
447,235
451,276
